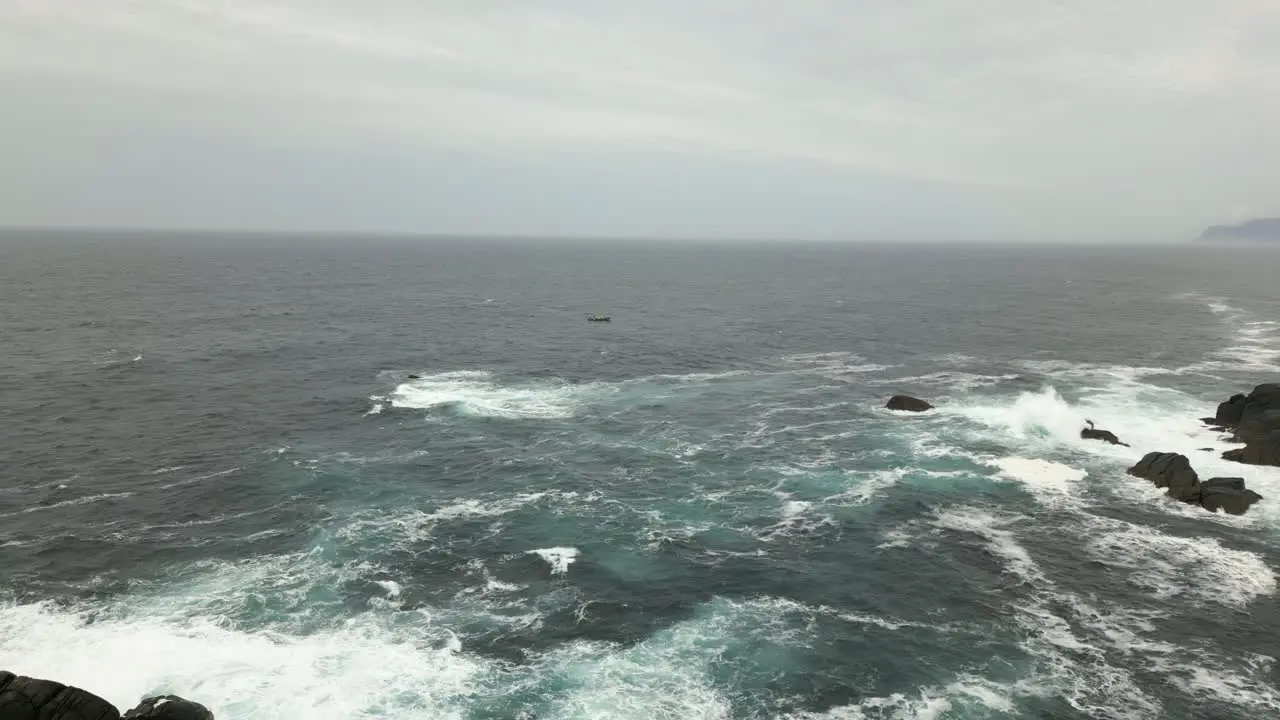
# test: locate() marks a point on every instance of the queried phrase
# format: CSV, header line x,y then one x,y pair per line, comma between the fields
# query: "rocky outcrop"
x,y
1174,473
908,403
1255,421
1092,433
25,698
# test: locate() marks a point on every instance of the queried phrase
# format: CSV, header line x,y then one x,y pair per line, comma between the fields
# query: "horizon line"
x,y
576,236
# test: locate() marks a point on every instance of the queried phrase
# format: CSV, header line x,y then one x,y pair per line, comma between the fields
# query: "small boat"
x,y
597,318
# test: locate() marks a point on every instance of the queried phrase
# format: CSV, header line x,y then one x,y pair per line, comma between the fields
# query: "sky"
x,y
1093,120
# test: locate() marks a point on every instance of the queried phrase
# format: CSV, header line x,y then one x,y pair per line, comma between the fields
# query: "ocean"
x,y
218,479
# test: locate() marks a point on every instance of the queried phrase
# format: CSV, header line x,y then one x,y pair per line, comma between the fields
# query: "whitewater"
x,y
419,486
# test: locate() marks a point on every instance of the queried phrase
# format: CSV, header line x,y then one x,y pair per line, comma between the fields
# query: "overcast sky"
x,y
941,119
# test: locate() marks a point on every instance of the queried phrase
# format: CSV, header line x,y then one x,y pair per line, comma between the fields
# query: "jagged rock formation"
x,y
1255,421
908,403
1174,472
25,698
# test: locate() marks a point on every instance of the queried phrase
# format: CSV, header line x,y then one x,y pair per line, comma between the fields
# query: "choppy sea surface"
x,y
218,479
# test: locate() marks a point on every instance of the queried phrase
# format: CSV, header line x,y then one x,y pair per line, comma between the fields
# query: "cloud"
x,y
1059,107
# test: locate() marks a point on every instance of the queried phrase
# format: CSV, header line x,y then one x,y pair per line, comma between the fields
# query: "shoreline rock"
x,y
1254,420
28,698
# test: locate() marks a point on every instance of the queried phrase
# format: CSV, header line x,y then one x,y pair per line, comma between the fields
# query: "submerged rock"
x,y
1174,472
24,698
1092,433
908,403
168,707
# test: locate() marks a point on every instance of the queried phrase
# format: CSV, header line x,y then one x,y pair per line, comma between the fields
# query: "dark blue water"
x,y
213,451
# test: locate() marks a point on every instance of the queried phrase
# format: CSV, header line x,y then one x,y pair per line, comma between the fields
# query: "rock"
x,y
24,698
1206,449
1224,483
1171,471
1209,421
1256,420
1218,428
1092,433
1264,451
1174,471
1229,500
1230,411
908,403
168,707
1258,426
415,377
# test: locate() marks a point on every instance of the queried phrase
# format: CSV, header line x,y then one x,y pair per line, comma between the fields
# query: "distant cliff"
x,y
1260,230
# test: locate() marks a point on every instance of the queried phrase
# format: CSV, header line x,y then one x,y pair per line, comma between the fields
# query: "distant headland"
x,y
1261,230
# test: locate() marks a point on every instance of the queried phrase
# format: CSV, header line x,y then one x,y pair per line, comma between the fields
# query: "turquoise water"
x,y
699,510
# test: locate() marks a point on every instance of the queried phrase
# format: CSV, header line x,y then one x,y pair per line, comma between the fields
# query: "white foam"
x,y
559,558
476,393
965,695
392,588
1050,482
1000,542
366,665
1169,566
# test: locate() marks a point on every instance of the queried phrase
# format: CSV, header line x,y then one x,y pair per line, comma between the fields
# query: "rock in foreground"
x,y
25,698
1174,472
907,403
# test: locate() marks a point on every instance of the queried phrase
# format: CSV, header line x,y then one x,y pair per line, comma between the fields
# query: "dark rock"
x,y
1230,411
415,377
1236,455
1209,421
1257,427
1162,468
1224,483
1218,428
168,707
1229,500
908,403
1206,449
1263,451
24,698
1172,471
1092,433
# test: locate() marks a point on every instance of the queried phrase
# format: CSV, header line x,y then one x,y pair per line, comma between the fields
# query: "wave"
x,y
86,500
476,393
